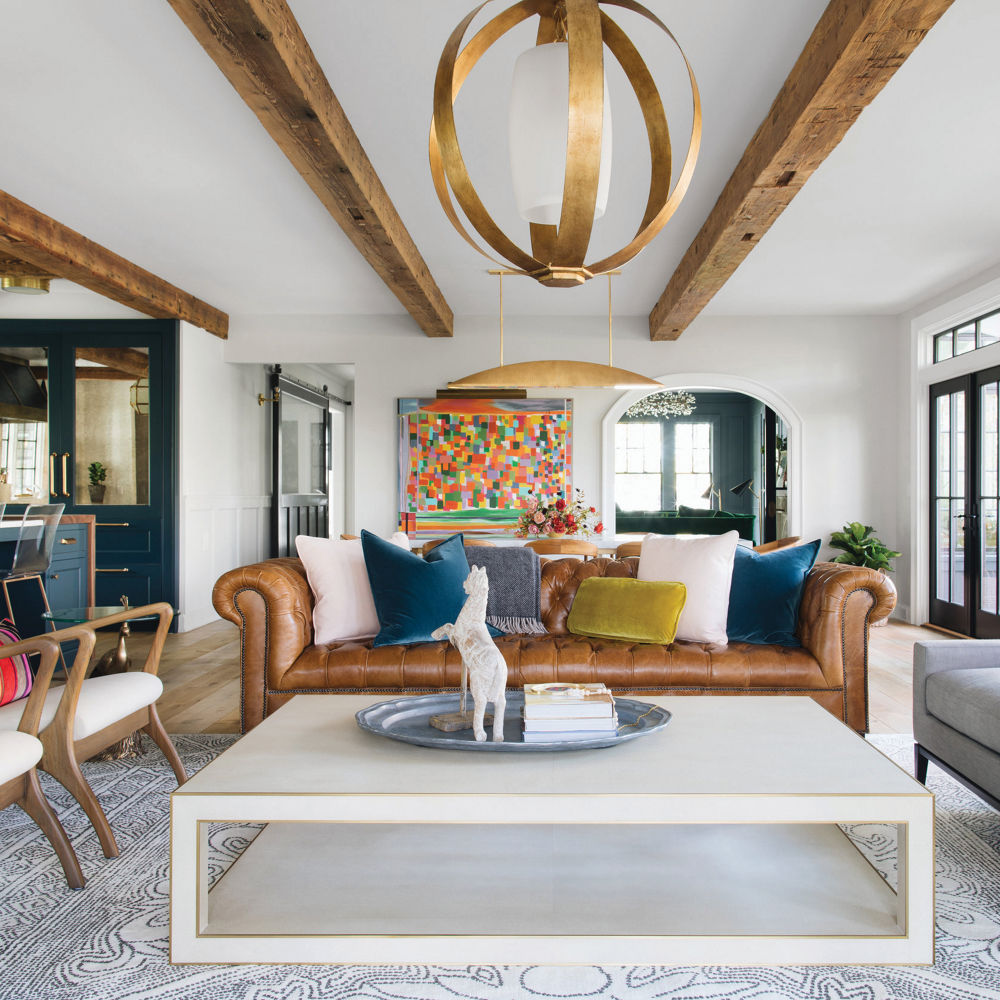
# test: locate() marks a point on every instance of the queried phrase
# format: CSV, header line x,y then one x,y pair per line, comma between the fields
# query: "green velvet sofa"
x,y
672,522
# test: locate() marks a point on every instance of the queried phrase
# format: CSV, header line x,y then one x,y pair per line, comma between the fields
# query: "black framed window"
x,y
968,337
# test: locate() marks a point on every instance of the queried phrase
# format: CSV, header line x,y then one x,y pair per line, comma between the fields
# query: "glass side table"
x,y
114,661
78,616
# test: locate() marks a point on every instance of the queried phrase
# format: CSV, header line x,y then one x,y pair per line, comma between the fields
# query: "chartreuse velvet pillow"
x,y
414,596
766,592
622,608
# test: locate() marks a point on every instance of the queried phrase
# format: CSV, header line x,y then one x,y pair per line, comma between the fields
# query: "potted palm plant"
x,y
98,473
862,547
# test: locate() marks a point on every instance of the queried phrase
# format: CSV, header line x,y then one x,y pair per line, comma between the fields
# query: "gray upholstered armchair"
x,y
956,712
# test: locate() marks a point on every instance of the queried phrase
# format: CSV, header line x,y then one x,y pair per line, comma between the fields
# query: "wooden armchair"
x,y
20,752
781,543
627,549
88,714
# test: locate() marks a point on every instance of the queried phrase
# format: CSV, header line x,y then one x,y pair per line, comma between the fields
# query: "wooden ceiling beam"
x,y
123,359
21,269
51,248
260,48
86,374
853,52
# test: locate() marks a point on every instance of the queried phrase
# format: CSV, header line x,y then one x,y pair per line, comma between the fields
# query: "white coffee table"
x,y
713,841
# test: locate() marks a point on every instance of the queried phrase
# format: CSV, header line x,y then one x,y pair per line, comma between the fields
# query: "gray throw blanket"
x,y
515,576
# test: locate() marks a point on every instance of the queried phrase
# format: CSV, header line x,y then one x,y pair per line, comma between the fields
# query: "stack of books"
x,y
556,713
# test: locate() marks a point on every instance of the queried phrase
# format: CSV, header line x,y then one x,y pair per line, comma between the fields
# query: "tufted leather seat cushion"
x,y
534,659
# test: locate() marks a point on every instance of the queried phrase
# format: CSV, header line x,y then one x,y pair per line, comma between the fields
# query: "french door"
x,y
965,504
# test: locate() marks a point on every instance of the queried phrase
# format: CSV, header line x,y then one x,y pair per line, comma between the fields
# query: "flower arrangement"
x,y
543,516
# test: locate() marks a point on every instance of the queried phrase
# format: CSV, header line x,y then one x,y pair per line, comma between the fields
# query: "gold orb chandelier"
x,y
560,137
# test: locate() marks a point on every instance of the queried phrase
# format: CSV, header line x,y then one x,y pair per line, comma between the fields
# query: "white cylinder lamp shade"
x,y
539,130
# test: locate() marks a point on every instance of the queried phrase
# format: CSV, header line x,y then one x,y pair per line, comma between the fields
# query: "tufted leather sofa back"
x,y
562,577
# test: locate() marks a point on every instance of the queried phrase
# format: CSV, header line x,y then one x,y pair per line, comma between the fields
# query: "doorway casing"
x,y
696,381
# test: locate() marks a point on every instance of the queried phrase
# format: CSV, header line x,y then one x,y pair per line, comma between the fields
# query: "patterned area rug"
x,y
110,940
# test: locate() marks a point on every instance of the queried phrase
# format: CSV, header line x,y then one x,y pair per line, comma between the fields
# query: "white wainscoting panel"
x,y
218,533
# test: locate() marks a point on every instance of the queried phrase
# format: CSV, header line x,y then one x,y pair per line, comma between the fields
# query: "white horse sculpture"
x,y
483,664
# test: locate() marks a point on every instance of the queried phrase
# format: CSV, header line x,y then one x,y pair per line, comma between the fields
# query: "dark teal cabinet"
x,y
99,434
66,584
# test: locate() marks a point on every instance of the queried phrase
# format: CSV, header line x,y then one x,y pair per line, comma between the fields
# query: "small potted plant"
x,y
98,473
862,547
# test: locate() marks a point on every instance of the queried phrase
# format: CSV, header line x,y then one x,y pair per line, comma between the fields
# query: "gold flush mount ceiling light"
x,y
24,284
560,137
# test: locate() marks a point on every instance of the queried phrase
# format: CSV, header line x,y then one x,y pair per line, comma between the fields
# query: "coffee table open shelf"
x,y
715,841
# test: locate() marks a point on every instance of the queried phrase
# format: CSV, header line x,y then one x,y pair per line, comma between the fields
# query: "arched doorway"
x,y
738,434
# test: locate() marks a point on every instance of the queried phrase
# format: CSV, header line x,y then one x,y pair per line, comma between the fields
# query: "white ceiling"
x,y
115,122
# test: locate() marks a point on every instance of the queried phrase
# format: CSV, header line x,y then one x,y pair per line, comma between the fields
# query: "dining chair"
x,y
435,542
781,543
88,714
36,539
20,752
627,549
563,547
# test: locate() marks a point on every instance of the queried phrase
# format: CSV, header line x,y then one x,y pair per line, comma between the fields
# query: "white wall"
x,y
223,487
841,375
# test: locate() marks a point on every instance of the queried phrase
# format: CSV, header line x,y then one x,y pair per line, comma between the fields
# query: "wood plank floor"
x,y
201,674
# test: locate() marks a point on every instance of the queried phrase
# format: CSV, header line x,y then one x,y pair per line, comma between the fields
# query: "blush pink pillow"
x,y
704,564
343,609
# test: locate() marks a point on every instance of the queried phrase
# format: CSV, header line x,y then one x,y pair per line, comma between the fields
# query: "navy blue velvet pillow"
x,y
766,592
413,595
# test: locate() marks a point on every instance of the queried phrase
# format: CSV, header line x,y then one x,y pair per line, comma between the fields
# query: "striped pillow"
x,y
15,673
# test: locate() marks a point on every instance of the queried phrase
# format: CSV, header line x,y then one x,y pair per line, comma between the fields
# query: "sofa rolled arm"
x,y
839,602
272,604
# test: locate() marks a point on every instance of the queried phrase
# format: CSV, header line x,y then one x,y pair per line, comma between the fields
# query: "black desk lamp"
x,y
740,488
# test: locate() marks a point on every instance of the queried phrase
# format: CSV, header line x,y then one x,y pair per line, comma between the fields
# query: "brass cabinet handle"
x,y
68,541
124,569
111,524
52,474
65,455
55,576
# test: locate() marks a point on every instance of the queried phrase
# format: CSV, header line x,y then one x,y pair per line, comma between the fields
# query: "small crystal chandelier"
x,y
664,404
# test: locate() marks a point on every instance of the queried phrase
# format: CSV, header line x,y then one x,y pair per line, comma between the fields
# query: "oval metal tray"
x,y
407,720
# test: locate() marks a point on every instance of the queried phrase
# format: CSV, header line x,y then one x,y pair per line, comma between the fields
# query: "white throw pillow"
x,y
705,566
343,608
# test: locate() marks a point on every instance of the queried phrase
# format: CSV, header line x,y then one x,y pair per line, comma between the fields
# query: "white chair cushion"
x,y
103,701
19,753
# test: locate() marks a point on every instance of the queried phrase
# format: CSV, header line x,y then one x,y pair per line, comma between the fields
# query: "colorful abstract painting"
x,y
469,464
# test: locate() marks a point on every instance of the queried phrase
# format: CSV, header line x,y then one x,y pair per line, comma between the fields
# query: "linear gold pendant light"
x,y
565,69
555,374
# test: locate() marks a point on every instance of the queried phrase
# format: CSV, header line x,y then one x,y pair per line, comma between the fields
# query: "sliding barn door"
x,y
300,445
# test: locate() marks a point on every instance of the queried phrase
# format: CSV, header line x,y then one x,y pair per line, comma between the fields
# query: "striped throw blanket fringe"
x,y
517,626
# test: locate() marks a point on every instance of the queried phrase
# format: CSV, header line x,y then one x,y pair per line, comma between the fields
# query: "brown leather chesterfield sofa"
x,y
272,604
